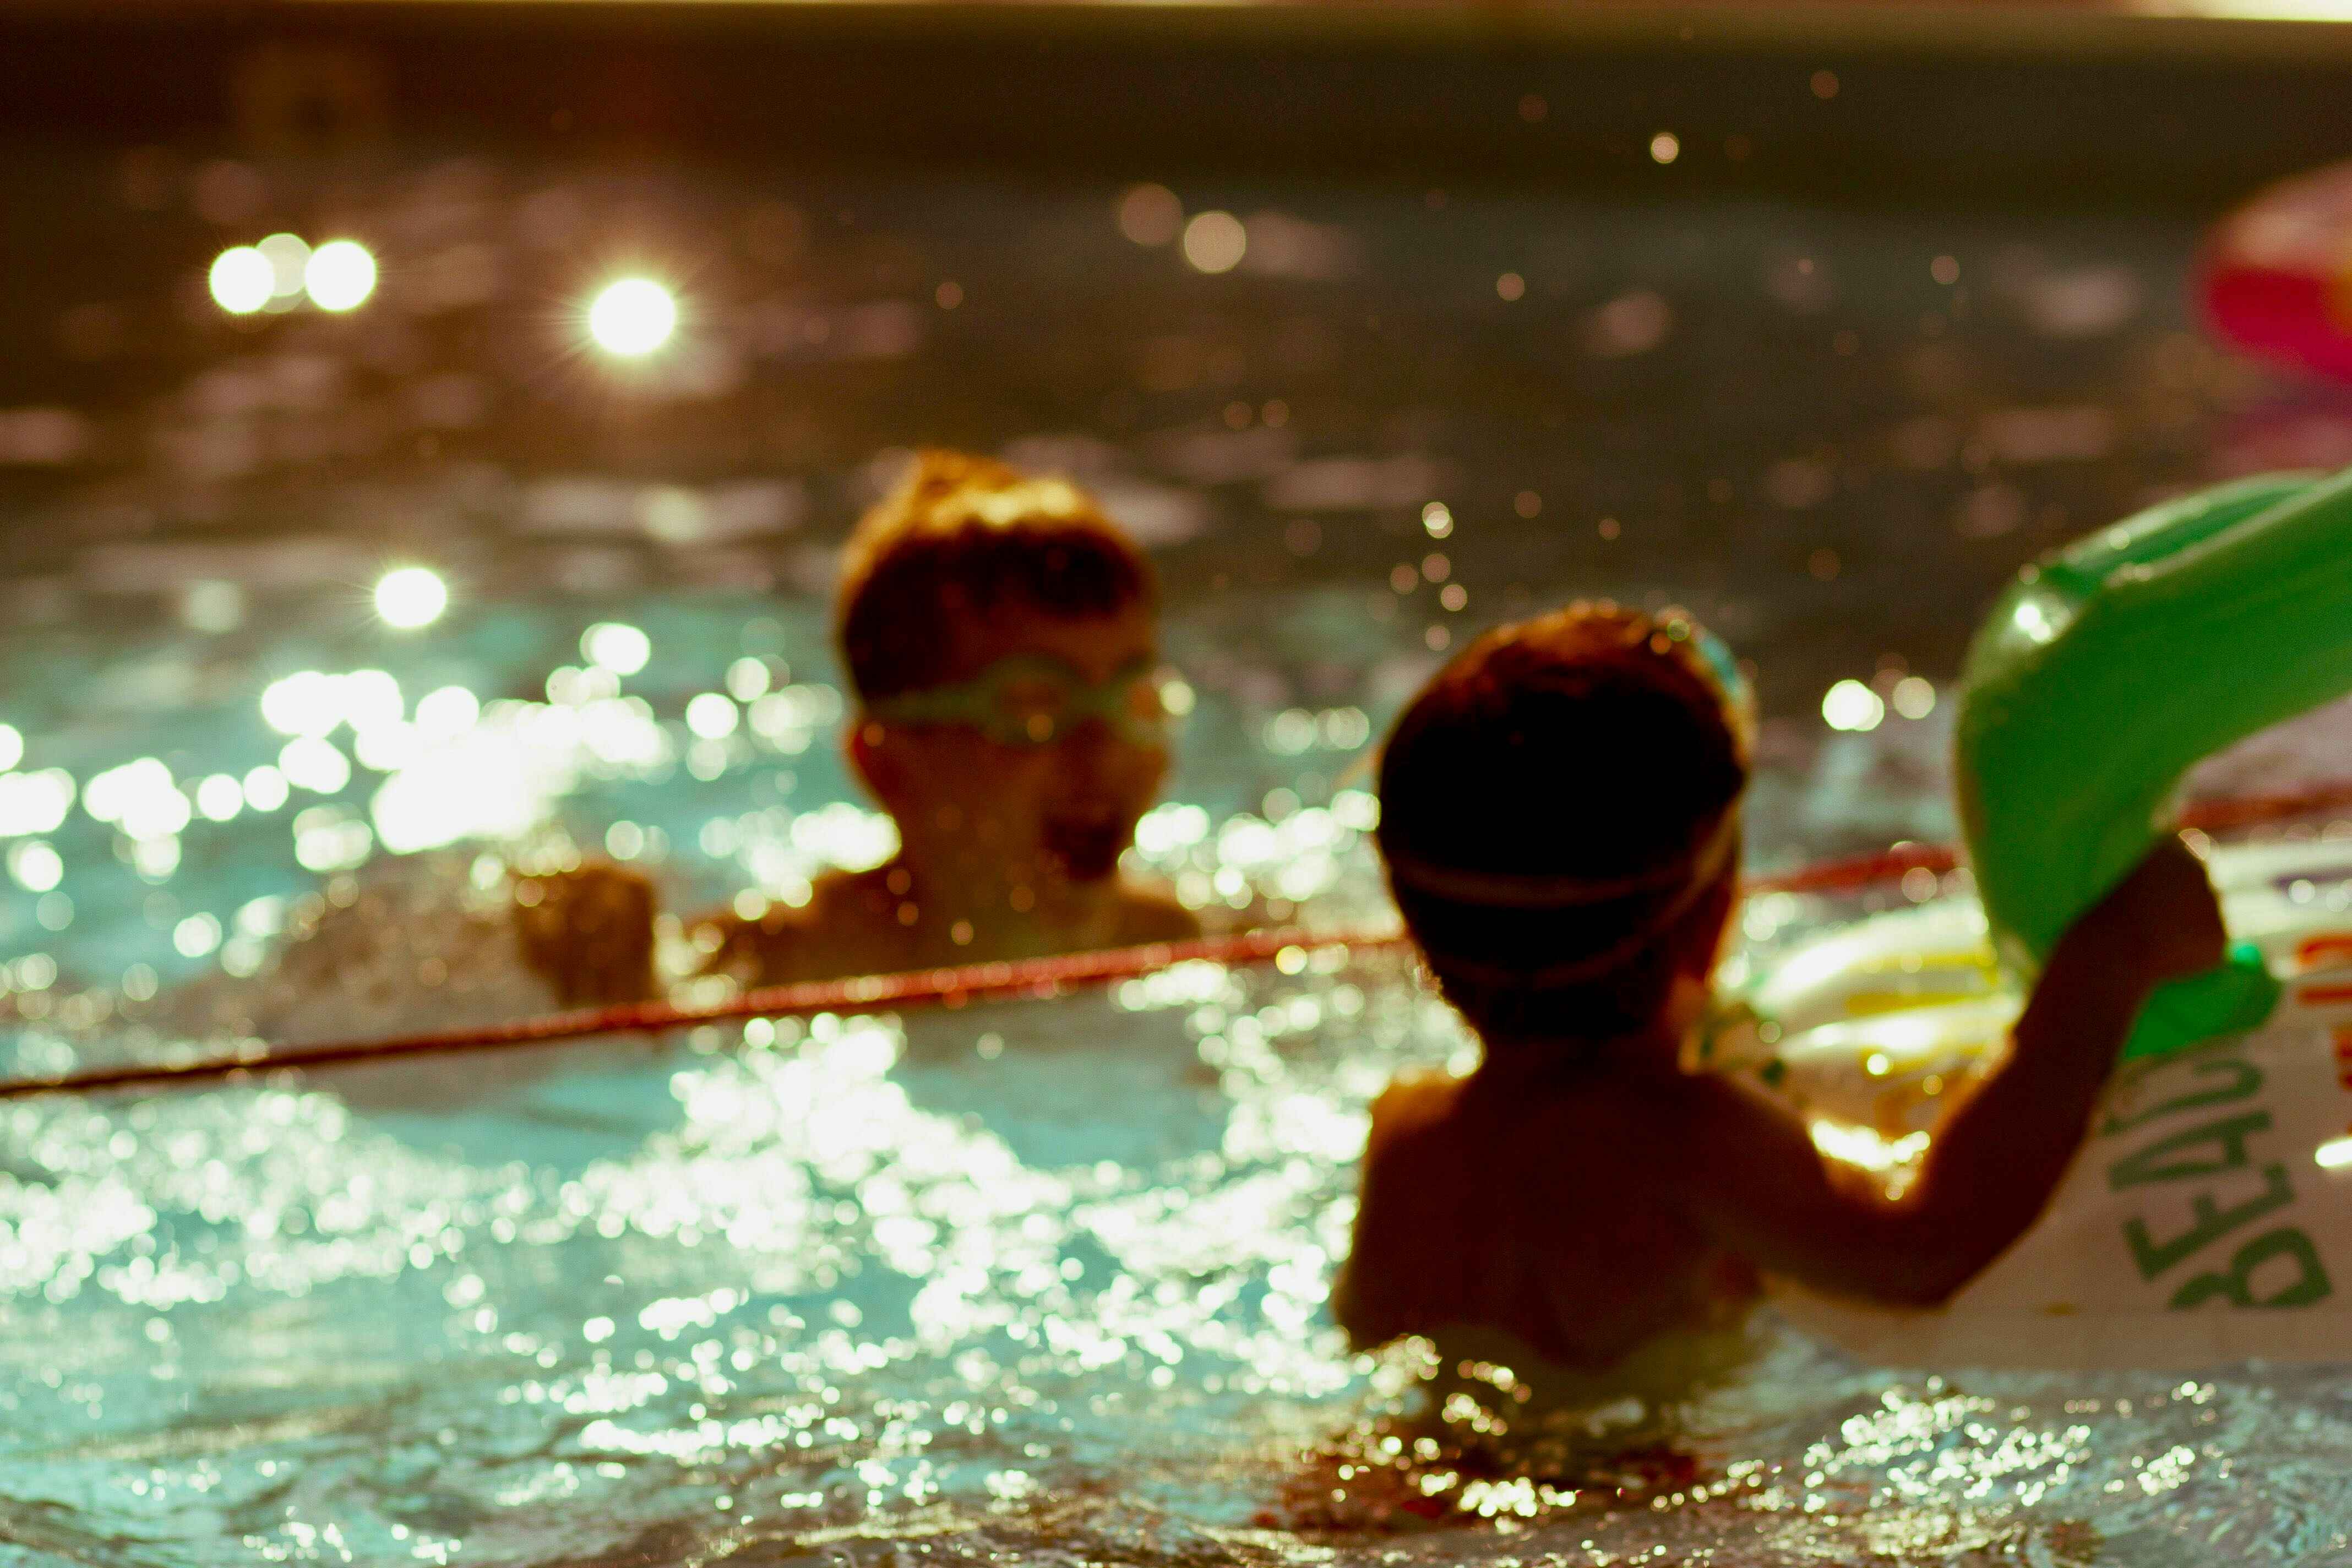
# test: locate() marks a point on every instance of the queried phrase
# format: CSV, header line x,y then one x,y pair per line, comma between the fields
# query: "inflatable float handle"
x,y
2111,668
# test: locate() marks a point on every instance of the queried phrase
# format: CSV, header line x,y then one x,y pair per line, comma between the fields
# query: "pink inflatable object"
x,y
2278,276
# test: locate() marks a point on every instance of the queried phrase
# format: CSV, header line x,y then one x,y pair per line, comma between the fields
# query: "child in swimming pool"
x,y
1000,635
1560,815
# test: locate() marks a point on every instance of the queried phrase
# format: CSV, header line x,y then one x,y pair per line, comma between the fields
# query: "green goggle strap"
x,y
978,702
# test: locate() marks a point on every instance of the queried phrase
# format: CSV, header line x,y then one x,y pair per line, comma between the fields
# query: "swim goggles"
x,y
1738,696
1034,700
1693,874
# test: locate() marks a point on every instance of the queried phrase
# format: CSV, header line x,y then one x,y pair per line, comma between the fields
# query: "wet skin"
x,y
1586,1199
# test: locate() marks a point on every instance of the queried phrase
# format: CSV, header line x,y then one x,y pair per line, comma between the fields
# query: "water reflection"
x,y
1039,1285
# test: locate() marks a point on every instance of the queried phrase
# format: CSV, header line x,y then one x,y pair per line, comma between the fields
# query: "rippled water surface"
x,y
1040,1283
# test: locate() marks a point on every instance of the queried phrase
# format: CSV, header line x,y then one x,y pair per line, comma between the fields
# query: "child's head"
x,y
1559,815
1002,638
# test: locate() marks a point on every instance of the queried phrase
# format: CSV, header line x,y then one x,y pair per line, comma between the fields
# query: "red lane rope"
x,y
1029,977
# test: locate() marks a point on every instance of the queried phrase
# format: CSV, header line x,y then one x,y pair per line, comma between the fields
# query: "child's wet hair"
x,y
966,538
1558,816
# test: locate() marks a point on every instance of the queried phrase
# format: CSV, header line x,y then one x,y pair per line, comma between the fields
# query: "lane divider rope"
x,y
1035,978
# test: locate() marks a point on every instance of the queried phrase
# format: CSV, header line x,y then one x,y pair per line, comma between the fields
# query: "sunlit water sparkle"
x,y
1037,1284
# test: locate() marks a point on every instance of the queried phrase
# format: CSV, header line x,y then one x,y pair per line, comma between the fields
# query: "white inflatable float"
x,y
2209,1217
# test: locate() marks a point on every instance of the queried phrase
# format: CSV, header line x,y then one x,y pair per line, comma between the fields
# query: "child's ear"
x,y
873,760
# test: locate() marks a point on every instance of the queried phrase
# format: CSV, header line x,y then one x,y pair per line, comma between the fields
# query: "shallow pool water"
x,y
1028,1283
1040,1283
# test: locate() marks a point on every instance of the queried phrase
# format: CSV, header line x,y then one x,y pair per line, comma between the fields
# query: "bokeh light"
x,y
1215,242
340,274
1915,697
633,317
1150,215
621,648
411,597
1851,705
219,798
265,788
242,279
712,716
288,255
35,865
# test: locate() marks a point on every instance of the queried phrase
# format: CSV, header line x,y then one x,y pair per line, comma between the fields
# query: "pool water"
x,y
1036,1282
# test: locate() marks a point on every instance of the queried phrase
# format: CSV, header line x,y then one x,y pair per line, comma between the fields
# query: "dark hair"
x,y
1558,815
964,537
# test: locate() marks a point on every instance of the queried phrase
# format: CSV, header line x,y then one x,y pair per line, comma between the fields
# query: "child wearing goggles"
x,y
1001,640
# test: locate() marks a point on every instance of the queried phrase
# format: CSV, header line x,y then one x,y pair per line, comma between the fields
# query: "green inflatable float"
x,y
2112,667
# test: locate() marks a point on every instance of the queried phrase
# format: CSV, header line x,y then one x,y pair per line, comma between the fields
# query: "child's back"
x,y
1559,816
1544,1212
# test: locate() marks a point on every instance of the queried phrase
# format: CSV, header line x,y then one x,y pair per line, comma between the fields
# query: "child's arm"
x,y
1755,1179
589,932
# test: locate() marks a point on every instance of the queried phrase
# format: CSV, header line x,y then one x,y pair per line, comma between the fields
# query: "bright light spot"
x,y
265,788
1150,215
12,747
1438,519
633,317
610,645
2031,618
493,779
448,711
289,257
1215,242
411,597
196,936
1915,697
140,798
845,835
621,730
370,699
155,858
340,274
1665,147
2334,1155
241,280
264,916
308,702
330,838
312,763
712,716
747,679
1863,1146
1851,705
387,747
35,865
218,798
1176,698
